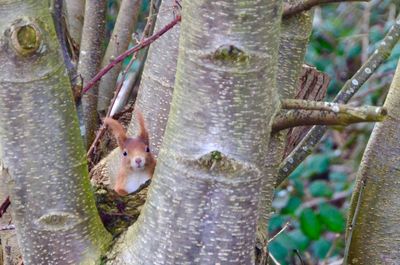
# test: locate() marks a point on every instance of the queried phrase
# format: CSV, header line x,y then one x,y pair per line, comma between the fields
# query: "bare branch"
x,y
338,114
89,62
3,207
305,147
132,50
293,9
119,42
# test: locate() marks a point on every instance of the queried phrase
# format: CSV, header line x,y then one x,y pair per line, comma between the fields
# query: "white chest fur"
x,y
135,180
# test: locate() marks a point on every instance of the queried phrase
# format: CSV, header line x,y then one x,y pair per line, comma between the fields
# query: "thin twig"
x,y
132,50
331,249
296,252
293,9
273,259
4,206
280,231
353,222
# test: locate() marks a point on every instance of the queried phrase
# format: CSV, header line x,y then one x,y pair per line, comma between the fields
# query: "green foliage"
x,y
320,188
309,224
332,218
314,198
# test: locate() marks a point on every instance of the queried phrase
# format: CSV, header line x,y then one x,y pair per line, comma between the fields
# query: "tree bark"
x,y
373,237
295,33
204,198
75,16
41,146
90,56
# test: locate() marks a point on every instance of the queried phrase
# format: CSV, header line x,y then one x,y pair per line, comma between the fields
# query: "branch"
x,y
327,114
293,9
134,49
119,42
305,147
90,57
3,207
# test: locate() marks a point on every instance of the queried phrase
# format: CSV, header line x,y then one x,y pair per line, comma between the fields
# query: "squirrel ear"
x,y
143,133
117,130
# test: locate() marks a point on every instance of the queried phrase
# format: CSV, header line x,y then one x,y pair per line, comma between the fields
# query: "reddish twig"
x,y
4,206
132,50
119,86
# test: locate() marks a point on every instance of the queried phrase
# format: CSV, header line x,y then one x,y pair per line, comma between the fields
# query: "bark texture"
x,y
295,33
89,62
203,201
43,154
75,15
119,42
374,237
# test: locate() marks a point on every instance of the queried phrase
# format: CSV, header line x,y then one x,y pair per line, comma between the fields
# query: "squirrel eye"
x,y
147,149
125,153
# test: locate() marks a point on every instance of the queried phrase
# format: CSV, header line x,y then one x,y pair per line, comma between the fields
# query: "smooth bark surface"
x,y
41,146
203,202
90,57
295,33
75,14
374,237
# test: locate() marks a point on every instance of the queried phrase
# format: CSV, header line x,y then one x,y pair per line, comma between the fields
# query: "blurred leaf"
x,y
291,206
332,218
320,188
320,248
276,222
336,176
299,187
310,224
354,51
300,240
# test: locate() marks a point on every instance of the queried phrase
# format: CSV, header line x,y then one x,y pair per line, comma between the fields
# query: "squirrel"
x,y
137,162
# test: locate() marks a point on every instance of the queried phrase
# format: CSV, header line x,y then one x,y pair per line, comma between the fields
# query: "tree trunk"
x,y
41,146
295,32
375,206
203,203
90,56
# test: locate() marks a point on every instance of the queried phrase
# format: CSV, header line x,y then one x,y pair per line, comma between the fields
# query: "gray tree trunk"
x,y
203,203
295,32
41,146
374,234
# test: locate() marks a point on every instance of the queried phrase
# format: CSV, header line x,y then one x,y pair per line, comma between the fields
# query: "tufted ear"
x,y
117,130
143,133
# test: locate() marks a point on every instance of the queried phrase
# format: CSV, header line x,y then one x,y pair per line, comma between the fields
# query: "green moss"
x,y
230,53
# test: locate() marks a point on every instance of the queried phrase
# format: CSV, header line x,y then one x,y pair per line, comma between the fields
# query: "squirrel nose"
x,y
138,160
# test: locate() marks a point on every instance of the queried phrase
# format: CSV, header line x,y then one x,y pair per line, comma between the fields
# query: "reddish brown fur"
x,y
135,148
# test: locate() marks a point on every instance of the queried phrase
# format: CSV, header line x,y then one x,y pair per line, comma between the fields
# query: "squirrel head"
x,y
135,151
